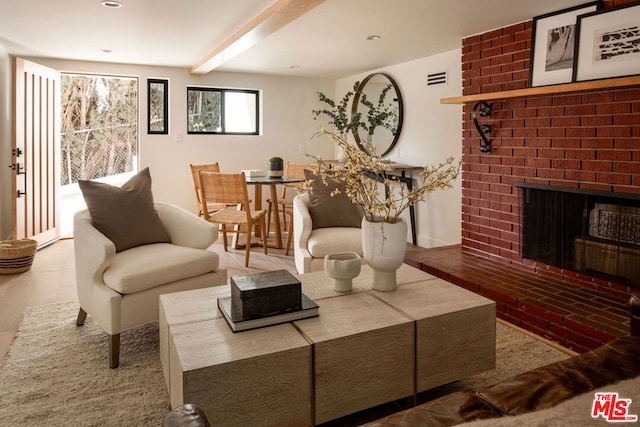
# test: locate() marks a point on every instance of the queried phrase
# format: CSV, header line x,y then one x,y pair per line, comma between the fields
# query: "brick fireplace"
x,y
594,233
582,141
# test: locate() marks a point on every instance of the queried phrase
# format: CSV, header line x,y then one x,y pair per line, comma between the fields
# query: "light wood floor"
x,y
51,279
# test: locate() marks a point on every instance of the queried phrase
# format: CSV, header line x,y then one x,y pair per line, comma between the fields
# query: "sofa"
x,y
561,393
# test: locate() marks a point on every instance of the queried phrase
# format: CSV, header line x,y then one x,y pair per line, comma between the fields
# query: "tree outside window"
x,y
99,126
222,111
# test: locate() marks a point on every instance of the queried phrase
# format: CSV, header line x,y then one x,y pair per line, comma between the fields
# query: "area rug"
x,y
56,373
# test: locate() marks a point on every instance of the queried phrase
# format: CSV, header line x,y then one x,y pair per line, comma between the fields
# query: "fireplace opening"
x,y
592,232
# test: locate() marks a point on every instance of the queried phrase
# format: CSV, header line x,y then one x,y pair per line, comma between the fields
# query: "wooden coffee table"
x,y
366,348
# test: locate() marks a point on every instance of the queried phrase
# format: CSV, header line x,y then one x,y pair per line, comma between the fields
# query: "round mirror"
x,y
379,103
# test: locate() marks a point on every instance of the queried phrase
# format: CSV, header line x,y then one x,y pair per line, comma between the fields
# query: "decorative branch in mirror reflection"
x,y
383,114
383,119
339,114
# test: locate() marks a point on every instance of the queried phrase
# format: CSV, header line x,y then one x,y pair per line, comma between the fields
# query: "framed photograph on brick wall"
x,y
553,41
608,43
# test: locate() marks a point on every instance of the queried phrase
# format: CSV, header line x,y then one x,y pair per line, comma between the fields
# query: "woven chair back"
x,y
224,188
211,167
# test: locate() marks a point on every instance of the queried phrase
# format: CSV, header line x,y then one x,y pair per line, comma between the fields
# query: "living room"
x,y
287,127
431,132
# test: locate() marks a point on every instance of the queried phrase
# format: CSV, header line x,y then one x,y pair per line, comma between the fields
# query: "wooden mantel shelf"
x,y
593,85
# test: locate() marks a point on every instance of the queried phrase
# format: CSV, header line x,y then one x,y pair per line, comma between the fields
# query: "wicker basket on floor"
x,y
16,256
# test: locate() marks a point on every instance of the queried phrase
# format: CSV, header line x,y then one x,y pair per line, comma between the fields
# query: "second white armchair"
x,y
311,245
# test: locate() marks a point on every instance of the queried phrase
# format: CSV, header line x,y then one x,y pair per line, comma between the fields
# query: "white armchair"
x,y
121,290
311,245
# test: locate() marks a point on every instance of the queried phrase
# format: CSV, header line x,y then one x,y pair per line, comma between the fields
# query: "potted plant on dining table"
x,y
275,168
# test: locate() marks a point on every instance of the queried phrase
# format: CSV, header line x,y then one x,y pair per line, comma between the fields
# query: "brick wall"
x,y
585,140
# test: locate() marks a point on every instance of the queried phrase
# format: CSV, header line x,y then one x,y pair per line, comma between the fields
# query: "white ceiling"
x,y
328,41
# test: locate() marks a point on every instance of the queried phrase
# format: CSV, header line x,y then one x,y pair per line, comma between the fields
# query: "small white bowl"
x,y
342,267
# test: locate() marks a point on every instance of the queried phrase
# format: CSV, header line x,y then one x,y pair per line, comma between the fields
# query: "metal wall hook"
x,y
483,109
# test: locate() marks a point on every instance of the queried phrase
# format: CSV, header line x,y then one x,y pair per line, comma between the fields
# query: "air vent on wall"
x,y
438,78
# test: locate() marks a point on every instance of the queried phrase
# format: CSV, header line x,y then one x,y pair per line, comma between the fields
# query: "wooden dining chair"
x,y
231,190
211,167
289,212
289,191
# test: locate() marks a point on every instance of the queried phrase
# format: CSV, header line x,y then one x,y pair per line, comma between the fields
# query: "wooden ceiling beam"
x,y
269,21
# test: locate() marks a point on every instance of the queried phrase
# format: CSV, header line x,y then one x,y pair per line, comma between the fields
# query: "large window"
x,y
99,130
222,111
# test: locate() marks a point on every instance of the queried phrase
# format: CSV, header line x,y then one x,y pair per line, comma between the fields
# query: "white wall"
x,y
5,145
430,133
287,127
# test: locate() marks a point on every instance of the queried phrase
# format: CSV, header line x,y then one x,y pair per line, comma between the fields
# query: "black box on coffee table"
x,y
264,294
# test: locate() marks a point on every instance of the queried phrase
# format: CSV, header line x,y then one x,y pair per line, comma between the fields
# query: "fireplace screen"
x,y
594,233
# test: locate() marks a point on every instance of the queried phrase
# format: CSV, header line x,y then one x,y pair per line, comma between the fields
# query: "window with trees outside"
x,y
222,111
99,126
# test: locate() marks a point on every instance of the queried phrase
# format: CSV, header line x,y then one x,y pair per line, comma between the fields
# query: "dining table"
x,y
398,173
258,182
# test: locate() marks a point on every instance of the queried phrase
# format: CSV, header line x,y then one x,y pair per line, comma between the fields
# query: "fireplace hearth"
x,y
590,232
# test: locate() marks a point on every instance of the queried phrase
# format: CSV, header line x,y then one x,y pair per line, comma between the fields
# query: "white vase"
x,y
383,247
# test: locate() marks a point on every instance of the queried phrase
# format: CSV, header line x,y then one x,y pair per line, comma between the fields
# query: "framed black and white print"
x,y
158,106
553,44
608,44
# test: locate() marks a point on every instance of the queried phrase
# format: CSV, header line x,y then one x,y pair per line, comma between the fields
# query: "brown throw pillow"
x,y
327,211
126,215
